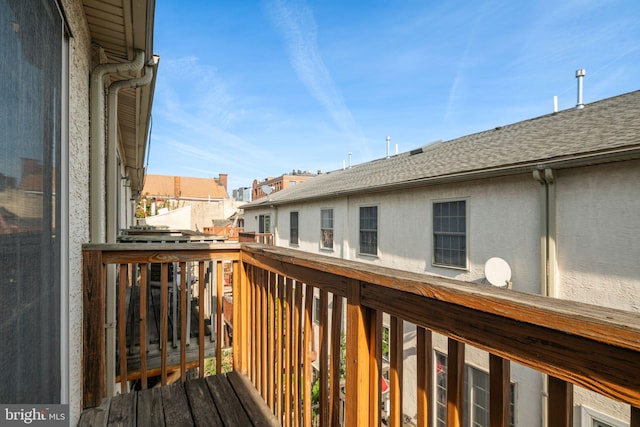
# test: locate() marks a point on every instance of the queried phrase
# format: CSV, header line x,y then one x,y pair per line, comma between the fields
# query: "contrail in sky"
x,y
297,26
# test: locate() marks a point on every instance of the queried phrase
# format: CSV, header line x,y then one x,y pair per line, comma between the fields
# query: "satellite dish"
x,y
266,189
498,272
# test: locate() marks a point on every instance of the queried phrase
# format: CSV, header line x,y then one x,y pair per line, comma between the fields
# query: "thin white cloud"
x,y
295,23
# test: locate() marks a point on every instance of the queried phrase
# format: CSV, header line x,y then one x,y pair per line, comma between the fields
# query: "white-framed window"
x,y
33,89
326,228
369,230
450,233
316,310
293,228
592,418
264,224
476,404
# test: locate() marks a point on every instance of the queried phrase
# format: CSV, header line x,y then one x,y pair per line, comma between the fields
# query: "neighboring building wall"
x,y
597,245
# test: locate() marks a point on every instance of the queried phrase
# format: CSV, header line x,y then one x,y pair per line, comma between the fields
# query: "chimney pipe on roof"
x,y
580,75
388,142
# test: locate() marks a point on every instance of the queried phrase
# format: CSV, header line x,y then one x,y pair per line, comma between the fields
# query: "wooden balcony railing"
x,y
274,334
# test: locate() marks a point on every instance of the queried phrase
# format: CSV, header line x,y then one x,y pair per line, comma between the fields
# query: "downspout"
x,y
548,255
97,213
113,177
112,190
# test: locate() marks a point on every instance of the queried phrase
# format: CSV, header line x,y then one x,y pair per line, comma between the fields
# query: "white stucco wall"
x,y
78,197
599,246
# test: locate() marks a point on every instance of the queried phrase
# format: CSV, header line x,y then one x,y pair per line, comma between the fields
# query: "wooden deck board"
x,y
203,409
222,400
231,411
150,408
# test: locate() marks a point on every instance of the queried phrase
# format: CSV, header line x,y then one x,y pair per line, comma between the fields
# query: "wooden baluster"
x,y
396,343
271,325
375,368
280,379
201,316
635,417
287,344
424,362
253,330
297,352
455,383
143,325
308,349
360,321
184,334
219,316
164,321
334,366
499,391
560,403
122,325
264,277
323,331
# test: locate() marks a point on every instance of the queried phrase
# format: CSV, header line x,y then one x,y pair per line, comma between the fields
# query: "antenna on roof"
x,y
580,76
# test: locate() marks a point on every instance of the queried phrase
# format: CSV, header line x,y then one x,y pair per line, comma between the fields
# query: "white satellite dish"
x,y
266,189
498,272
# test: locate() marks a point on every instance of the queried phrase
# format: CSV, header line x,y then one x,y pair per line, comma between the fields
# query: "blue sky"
x,y
259,88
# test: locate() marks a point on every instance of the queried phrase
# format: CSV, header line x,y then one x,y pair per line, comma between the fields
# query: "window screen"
x,y
30,128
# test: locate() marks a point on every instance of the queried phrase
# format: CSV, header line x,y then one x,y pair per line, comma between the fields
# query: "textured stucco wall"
x,y
78,149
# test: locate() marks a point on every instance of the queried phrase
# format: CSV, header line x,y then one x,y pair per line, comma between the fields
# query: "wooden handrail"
x,y
574,343
274,339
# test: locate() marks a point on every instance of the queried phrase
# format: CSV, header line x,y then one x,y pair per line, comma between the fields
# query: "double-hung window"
x,y
264,224
326,228
293,228
450,234
369,230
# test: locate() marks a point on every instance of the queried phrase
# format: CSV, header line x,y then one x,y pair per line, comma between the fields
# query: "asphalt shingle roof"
x,y
608,126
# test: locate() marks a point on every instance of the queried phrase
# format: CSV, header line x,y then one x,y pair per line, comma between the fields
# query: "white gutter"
x,y
97,213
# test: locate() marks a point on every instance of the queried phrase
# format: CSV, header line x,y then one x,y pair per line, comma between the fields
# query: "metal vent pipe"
x,y
580,76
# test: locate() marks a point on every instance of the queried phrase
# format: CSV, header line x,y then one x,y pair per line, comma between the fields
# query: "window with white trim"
x,y
264,224
450,234
369,230
326,228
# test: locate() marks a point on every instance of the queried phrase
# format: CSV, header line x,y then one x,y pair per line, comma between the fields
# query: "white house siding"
x,y
78,197
599,246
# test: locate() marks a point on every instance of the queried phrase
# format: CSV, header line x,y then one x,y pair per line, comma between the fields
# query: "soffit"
x,y
119,28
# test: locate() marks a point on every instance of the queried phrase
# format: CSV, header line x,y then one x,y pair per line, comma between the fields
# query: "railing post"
x,y
455,383
499,391
560,403
396,349
93,351
359,318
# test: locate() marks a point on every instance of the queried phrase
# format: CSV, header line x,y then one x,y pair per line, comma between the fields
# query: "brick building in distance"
x,y
280,183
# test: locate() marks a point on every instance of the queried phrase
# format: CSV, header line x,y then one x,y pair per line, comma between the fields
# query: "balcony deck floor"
x,y
219,400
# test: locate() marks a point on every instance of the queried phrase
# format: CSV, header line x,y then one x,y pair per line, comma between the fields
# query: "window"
x,y
450,234
316,310
476,384
264,224
592,418
293,228
326,228
369,230
33,68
